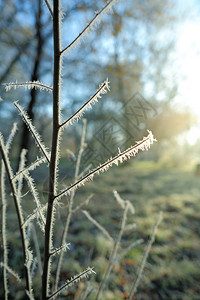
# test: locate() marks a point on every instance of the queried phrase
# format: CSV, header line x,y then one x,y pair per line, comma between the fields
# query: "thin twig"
x,y
49,7
99,226
19,214
114,251
103,88
71,200
37,249
54,151
73,280
89,25
142,145
3,229
28,84
144,259
3,213
33,131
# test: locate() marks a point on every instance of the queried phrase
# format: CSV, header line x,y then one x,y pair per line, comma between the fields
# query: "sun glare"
x,y
188,67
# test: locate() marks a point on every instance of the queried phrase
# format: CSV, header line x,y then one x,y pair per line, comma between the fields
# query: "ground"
x,y
172,270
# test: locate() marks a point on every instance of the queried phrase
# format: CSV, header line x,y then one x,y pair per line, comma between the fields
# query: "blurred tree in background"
x,y
133,48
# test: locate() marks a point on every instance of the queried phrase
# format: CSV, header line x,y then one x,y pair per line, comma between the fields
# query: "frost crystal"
x,y
90,26
73,280
121,157
33,131
28,85
103,89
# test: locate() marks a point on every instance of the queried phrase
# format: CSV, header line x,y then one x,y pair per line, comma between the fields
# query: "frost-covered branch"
x,y
33,131
60,249
144,259
103,89
90,26
71,201
28,85
72,281
31,167
19,213
4,214
41,220
121,157
12,272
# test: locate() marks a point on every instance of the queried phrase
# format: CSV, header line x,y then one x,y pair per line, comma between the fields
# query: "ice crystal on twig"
x,y
103,89
90,26
72,281
121,157
11,136
35,214
28,85
58,250
33,131
31,167
12,272
41,220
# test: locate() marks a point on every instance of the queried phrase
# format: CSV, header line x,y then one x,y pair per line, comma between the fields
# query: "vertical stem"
x,y
19,216
144,259
54,151
71,200
3,230
114,252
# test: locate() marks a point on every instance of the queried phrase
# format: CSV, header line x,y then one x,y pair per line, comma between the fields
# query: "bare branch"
x,y
33,131
144,259
72,281
90,26
122,156
103,89
49,6
28,85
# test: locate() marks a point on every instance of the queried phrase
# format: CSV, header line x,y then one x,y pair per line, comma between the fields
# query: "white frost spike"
x,y
127,154
11,271
103,89
90,26
63,248
29,258
73,280
11,136
33,131
34,192
35,214
32,167
28,85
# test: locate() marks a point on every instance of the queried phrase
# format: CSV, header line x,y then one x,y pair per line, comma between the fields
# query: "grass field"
x,y
173,267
